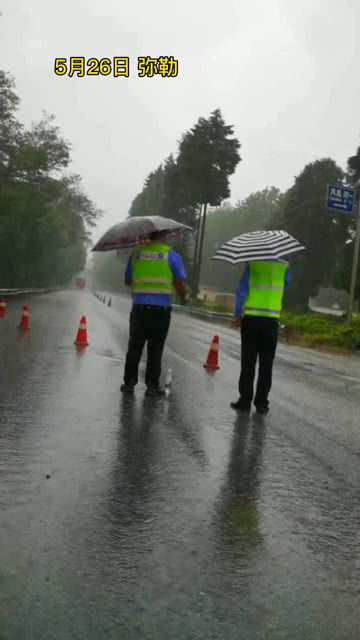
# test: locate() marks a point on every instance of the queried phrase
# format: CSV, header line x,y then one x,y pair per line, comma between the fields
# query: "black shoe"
x,y
154,392
127,388
262,410
240,405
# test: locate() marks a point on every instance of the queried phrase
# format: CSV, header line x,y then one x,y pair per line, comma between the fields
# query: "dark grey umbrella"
x,y
138,230
258,245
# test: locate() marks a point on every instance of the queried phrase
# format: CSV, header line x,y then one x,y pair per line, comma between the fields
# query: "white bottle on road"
x,y
168,381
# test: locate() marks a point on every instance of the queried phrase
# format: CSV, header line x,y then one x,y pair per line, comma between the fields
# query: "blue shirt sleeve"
x,y
176,265
287,278
242,292
128,270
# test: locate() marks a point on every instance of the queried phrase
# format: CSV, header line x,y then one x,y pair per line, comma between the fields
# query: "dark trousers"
x,y
147,324
258,340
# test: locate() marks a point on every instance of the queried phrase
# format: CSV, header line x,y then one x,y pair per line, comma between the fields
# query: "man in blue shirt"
x,y
152,272
259,299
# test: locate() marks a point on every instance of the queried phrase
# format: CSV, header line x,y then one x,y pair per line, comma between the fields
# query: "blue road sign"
x,y
340,198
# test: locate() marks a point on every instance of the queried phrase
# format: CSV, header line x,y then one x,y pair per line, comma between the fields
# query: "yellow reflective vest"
x,y
266,289
151,272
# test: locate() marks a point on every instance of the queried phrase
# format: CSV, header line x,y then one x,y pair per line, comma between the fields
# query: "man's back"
x,y
266,289
258,286
152,271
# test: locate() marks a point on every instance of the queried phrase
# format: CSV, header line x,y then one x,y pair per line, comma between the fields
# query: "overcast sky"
x,y
285,73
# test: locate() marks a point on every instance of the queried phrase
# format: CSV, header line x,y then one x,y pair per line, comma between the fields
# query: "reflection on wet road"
x,y
129,517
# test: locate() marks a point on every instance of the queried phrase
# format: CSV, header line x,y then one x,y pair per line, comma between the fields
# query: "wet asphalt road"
x,y
172,518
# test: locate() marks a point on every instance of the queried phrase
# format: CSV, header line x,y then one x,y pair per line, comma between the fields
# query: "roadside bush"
x,y
313,329
317,330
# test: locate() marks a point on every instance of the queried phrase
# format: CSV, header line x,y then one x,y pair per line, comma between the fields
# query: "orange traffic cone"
x,y
81,338
25,318
213,356
3,311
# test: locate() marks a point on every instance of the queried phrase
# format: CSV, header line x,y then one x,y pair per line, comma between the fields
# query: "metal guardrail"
x,y
215,315
5,293
201,313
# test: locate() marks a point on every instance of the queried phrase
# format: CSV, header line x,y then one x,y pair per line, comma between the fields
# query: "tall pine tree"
x,y
322,232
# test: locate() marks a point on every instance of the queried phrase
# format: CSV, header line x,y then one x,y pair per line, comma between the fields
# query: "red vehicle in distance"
x,y
79,282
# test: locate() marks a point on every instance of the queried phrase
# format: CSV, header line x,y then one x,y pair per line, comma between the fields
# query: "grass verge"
x,y
321,331
314,330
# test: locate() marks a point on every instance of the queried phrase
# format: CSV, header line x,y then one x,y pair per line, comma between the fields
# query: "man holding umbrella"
x,y
258,306
152,272
259,301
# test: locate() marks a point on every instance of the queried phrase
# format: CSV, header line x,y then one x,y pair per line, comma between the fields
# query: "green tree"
x,y
175,205
342,272
163,194
260,210
149,201
44,215
353,169
208,155
322,232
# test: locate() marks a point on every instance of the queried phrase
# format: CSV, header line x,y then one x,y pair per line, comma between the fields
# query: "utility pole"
x,y
355,257
196,254
201,245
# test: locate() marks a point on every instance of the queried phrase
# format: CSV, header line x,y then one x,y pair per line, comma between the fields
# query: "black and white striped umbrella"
x,y
258,245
